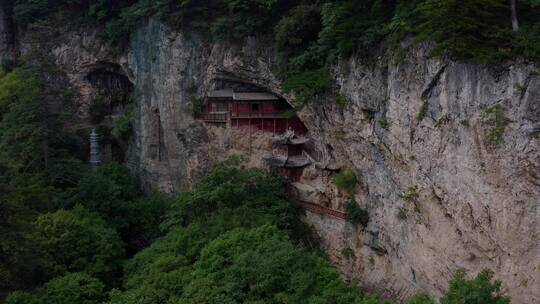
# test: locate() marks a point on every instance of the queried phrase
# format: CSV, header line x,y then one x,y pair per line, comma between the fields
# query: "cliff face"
x,y
447,155
442,190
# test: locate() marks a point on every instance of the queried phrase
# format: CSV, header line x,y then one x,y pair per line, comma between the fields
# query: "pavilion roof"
x,y
223,93
289,138
280,161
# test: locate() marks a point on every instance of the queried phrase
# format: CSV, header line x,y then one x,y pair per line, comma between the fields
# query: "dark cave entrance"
x,y
110,109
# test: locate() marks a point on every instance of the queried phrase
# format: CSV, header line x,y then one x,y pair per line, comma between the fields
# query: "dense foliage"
x,y
57,216
77,240
72,288
482,289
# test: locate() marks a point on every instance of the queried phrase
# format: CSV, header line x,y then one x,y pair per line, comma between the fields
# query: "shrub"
x,y
308,84
481,289
355,214
345,180
420,299
384,123
411,195
442,121
123,126
520,88
496,134
402,213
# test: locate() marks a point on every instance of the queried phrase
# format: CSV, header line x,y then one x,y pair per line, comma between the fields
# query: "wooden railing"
x,y
220,117
315,208
224,116
257,115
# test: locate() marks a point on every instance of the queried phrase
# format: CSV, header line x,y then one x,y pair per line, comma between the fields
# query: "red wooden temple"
x,y
259,110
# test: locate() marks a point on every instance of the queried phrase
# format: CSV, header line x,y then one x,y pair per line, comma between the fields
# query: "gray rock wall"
x,y
477,202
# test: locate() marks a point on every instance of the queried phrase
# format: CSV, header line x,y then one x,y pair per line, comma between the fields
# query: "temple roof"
x,y
224,93
247,96
289,138
300,140
280,161
254,96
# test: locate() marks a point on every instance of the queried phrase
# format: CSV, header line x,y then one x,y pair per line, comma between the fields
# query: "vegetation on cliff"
x,y
311,36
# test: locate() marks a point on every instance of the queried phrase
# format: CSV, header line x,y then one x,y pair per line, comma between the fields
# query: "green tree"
x,y
29,158
23,132
108,192
480,290
471,30
297,32
232,189
77,240
263,266
79,288
19,261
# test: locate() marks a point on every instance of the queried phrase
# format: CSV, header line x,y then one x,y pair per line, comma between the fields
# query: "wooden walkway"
x,y
312,207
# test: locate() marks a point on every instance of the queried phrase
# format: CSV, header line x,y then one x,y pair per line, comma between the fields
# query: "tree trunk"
x,y
513,12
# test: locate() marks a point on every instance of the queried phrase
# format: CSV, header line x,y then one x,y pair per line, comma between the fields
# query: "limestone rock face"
x,y
171,151
443,190
447,155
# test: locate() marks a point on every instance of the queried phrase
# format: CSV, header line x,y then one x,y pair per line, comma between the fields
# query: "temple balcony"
x,y
213,117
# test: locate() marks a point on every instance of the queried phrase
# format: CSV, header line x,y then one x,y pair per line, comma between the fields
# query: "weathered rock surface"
x,y
442,191
477,200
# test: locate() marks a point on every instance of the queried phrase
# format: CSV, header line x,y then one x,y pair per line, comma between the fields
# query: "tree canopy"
x,y
77,240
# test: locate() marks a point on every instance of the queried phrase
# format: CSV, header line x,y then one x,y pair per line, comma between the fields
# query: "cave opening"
x,y
110,108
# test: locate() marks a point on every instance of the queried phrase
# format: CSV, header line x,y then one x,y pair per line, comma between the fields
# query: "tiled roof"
x,y
224,93
254,96
230,93
281,161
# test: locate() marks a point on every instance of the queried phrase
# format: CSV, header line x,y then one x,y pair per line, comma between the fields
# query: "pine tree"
x,y
466,30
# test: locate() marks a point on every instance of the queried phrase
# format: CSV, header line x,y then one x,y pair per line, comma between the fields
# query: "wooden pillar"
x,y
274,127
